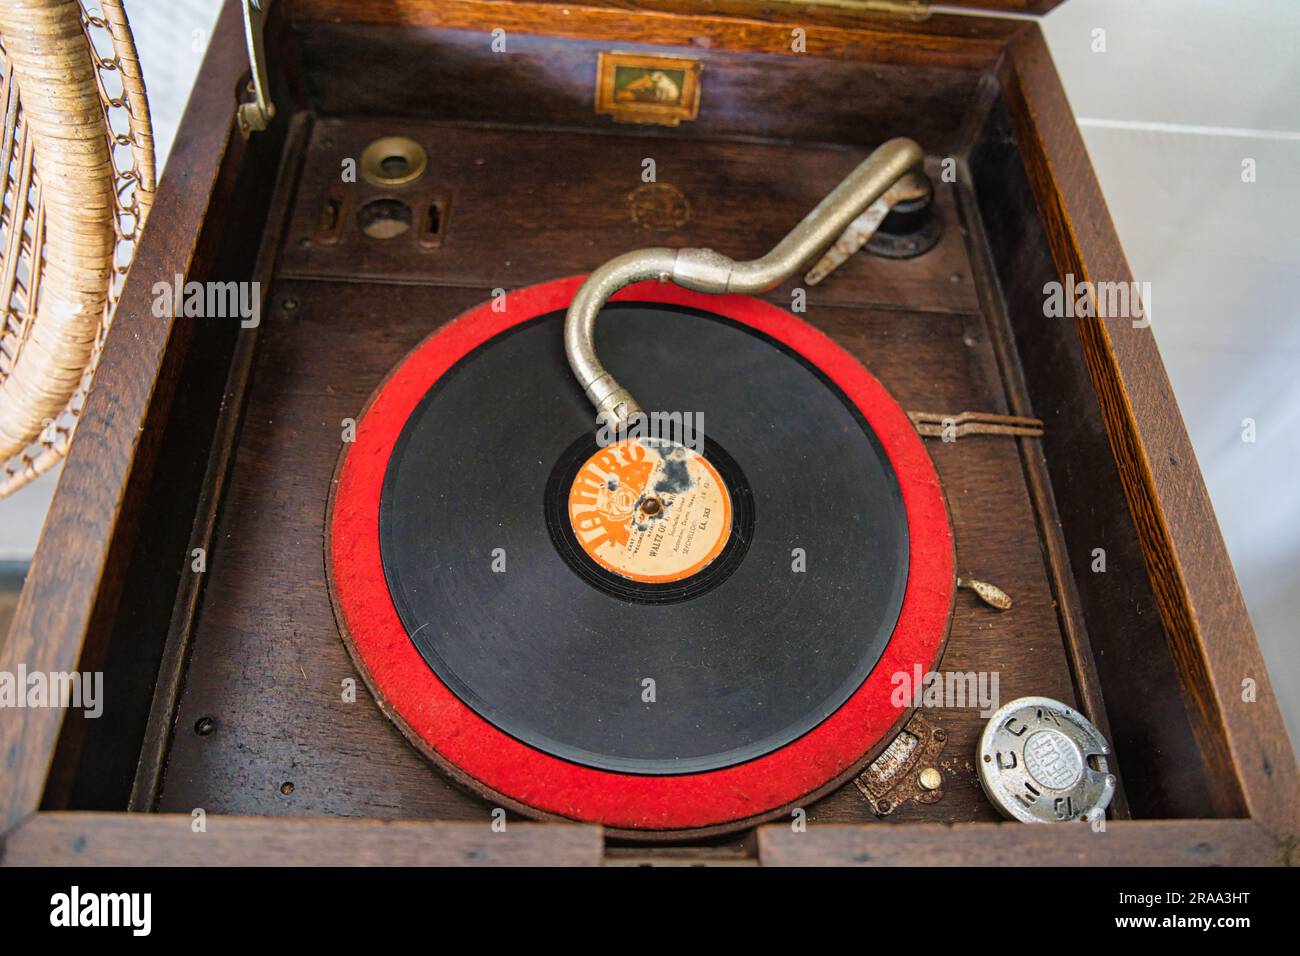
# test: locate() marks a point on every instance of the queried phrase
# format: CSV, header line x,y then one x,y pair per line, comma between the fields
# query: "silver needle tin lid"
x,y
1041,761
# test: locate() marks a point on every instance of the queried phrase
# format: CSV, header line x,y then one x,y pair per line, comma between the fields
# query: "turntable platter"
x,y
584,681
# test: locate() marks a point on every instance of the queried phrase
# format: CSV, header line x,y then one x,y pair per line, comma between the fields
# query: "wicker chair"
x,y
77,180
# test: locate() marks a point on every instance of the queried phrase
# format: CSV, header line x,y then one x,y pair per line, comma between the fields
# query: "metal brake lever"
x,y
911,187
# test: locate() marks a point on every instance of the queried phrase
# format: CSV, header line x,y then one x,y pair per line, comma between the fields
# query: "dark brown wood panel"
x,y
134,839
947,364
951,41
516,207
168,677
1078,642
1122,843
1151,732
268,664
456,75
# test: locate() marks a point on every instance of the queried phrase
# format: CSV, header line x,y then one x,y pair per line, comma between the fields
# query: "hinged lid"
x,y
909,9
921,9
914,10
1004,6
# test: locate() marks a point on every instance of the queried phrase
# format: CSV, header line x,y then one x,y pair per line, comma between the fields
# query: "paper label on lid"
x,y
650,511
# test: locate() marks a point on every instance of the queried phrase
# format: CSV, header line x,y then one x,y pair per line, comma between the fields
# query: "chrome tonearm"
x,y
840,220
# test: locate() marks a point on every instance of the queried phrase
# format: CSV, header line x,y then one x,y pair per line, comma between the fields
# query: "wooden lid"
x,y
418,11
1008,6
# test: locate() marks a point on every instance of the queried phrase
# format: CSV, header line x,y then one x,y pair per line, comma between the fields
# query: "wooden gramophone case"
x,y
223,686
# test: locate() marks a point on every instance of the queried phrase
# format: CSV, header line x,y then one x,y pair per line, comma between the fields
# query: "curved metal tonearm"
x,y
707,271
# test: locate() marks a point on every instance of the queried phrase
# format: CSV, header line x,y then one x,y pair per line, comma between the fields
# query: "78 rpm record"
x,y
655,633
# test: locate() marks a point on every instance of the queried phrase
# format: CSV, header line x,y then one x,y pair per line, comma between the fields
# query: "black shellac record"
x,y
747,655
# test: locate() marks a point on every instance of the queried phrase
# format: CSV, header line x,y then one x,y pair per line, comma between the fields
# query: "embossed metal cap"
x,y
1042,762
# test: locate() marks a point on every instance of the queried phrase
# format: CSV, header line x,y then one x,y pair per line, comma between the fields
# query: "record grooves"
x,y
526,677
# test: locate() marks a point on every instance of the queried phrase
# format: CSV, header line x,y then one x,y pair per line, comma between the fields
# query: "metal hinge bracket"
x,y
257,113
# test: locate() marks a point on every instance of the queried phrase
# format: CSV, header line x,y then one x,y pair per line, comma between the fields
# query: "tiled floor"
x,y
1183,92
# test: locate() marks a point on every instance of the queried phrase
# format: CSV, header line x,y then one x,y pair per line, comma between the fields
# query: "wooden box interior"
x,y
530,184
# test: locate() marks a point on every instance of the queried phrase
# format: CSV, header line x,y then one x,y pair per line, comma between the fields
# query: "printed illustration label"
x,y
649,510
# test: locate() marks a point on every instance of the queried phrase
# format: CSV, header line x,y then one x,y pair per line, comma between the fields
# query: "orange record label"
x,y
649,510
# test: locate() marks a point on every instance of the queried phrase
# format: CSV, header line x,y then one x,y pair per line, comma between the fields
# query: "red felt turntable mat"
x,y
526,778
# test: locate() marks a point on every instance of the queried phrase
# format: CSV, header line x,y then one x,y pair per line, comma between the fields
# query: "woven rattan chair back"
x,y
76,181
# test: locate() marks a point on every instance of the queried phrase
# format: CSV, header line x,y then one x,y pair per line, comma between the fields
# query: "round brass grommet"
x,y
393,161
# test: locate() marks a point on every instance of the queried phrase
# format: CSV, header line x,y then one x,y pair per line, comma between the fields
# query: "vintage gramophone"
x,y
346,564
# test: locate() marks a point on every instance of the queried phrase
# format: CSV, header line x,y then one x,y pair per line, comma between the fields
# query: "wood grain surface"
x,y
519,207
159,839
551,81
267,662
1123,843
958,41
